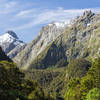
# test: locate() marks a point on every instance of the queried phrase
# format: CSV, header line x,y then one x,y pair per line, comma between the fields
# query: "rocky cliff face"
x,y
11,44
45,37
80,39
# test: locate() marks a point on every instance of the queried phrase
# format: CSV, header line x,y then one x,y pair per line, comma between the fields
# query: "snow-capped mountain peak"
x,y
9,36
6,38
13,34
10,43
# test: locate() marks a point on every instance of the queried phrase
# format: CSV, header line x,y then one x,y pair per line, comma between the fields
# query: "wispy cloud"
x,y
25,13
46,16
25,18
7,7
10,4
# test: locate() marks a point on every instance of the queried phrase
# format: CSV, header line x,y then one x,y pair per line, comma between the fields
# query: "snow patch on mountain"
x,y
6,38
60,24
10,42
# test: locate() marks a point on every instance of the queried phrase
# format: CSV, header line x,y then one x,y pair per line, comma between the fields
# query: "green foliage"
x,y
51,80
73,82
77,68
11,95
73,92
13,86
10,76
89,84
93,94
32,90
92,79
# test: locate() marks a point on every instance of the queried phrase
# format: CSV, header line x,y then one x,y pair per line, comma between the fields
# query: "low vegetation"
x,y
51,80
88,87
13,86
80,80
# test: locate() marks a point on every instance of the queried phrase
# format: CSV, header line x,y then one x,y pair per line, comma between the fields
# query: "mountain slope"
x,y
46,35
55,80
79,40
13,86
11,44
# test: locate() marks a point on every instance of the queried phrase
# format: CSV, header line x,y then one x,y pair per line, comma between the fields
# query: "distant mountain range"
x,y
11,44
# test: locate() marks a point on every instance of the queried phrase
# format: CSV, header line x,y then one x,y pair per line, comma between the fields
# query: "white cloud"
x,y
8,7
19,17
10,4
46,16
25,13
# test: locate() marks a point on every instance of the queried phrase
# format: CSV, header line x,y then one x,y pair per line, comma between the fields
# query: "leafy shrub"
x,y
13,86
93,94
77,68
92,79
73,92
89,84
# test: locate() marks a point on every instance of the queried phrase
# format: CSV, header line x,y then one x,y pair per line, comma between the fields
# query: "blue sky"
x,y
26,17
